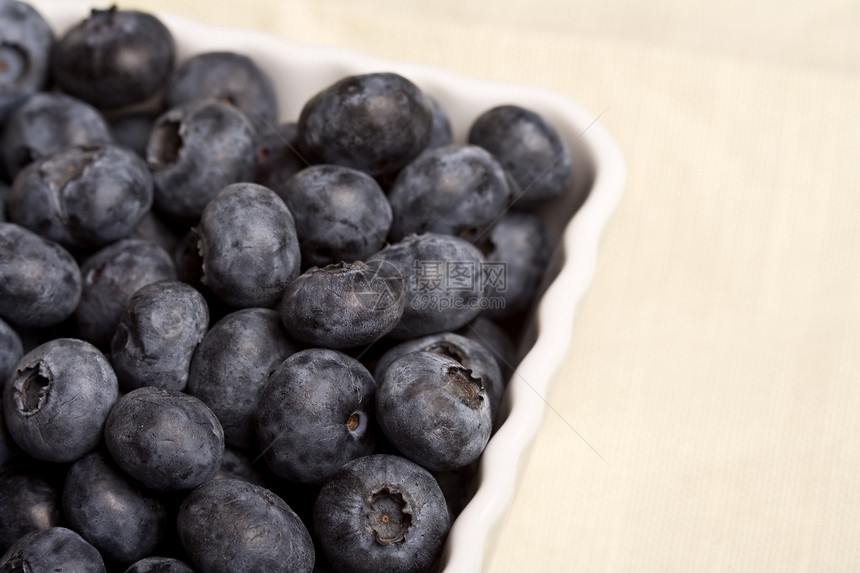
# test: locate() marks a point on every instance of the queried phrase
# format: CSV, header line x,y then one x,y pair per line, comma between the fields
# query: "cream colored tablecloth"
x,y
715,364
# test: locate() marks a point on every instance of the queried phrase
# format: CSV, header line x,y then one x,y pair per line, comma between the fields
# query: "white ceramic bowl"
x,y
299,71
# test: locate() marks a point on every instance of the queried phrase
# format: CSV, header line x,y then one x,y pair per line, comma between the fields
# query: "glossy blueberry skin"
x,y
278,157
376,123
46,123
132,130
110,277
29,504
229,77
84,197
50,550
455,190
114,58
381,513
110,510
26,40
434,411
231,365
167,440
343,305
56,403
315,414
529,148
160,328
341,214
471,354
519,240
431,306
159,565
215,520
40,282
249,246
11,351
180,152
440,134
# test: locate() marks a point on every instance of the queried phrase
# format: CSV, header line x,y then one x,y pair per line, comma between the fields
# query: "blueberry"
x,y
85,197
46,123
159,565
110,277
381,513
442,282
236,465
278,157
50,550
529,148
11,351
160,328
231,365
194,151
440,134
110,510
56,403
229,77
29,504
434,410
315,414
455,190
132,130
376,123
469,353
165,439
496,340
341,214
40,282
232,526
4,198
155,230
26,40
9,452
114,58
343,305
519,241
249,246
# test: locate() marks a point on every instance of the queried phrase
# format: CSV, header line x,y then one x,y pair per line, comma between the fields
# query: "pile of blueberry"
x,y
229,344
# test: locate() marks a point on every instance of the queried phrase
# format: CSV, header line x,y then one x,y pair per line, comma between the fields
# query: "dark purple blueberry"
x,y
278,156
232,364
84,197
236,465
50,550
56,403
442,288
111,276
40,282
315,414
232,526
29,504
194,151
11,351
434,410
132,130
165,439
454,190
25,51
376,123
229,77
160,328
153,229
496,340
49,122
459,486
519,242
110,510
441,134
9,451
529,148
343,305
381,513
341,214
471,354
159,565
249,246
114,58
